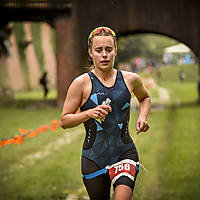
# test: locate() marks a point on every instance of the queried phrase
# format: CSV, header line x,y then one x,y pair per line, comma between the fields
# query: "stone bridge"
x,y
74,19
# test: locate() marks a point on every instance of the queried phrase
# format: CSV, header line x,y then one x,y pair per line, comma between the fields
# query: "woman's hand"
x,y
99,112
142,126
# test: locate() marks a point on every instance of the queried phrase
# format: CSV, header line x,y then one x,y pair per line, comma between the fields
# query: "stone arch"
x,y
158,33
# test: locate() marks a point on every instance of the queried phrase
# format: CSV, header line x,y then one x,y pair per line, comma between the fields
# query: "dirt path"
x,y
66,139
163,96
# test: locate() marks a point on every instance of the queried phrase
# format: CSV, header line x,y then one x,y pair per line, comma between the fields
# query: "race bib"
x,y
125,167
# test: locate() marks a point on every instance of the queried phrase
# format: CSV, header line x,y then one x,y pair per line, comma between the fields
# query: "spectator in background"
x,y
182,75
43,82
153,63
133,67
150,69
159,74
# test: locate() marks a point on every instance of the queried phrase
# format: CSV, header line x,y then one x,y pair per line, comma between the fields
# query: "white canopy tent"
x,y
179,48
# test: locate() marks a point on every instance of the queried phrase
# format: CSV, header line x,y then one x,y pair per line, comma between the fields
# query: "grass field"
x,y
47,167
170,150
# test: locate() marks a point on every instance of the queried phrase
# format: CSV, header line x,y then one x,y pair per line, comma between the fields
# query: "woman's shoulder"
x,y
130,75
82,79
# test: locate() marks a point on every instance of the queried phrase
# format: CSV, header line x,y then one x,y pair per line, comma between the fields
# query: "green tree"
x,y
142,45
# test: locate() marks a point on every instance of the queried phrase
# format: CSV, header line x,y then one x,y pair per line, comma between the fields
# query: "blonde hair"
x,y
99,31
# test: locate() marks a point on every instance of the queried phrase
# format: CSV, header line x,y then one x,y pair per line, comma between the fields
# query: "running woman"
x,y
103,96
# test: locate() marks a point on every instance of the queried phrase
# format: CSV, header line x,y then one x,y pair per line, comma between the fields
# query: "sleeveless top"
x,y
106,141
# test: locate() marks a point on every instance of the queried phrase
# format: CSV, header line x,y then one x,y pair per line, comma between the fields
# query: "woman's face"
x,y
103,52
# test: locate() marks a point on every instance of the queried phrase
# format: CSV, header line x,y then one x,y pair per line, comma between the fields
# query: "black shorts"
x,y
98,188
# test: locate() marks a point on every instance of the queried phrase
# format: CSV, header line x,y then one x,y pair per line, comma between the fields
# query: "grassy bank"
x,y
41,167
170,152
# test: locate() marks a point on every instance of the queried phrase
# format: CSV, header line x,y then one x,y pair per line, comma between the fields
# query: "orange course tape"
x,y
18,139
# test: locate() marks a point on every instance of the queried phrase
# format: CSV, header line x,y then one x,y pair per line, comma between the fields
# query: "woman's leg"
x,y
123,192
98,188
124,186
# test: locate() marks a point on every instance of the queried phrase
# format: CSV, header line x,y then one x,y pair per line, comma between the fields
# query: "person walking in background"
x,y
43,81
159,74
182,76
103,95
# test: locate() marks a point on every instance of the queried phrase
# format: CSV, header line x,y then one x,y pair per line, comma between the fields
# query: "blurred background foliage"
x,y
148,48
143,45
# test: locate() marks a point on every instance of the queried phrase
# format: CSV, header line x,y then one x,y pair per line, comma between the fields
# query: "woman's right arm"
x,y
70,118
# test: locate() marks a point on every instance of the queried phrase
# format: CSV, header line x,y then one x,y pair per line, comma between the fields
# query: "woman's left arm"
x,y
144,104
